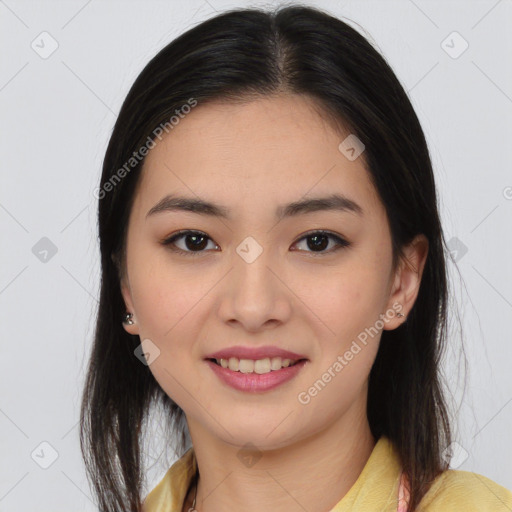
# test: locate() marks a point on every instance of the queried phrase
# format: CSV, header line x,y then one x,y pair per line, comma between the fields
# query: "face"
x,y
254,279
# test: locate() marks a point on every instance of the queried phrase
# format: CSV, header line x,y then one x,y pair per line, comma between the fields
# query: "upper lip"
x,y
255,353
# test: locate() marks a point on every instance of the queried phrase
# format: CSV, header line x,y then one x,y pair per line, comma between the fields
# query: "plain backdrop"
x,y
65,70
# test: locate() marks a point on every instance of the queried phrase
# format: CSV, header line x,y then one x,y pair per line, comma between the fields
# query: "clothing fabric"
x,y
403,494
381,487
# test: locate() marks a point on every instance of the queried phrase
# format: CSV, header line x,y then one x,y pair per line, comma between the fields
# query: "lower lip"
x,y
254,382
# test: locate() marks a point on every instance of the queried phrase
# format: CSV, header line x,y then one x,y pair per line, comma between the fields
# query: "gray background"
x,y
58,111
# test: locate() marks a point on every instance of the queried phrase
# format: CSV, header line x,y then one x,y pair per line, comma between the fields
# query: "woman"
x,y
273,276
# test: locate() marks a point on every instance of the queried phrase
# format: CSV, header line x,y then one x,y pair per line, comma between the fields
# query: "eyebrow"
x,y
336,202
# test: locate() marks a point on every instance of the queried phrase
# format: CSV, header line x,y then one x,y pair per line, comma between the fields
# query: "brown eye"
x,y
193,242
318,241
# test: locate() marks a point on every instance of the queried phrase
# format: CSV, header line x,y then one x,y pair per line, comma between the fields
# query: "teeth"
x,y
259,366
233,364
262,366
246,366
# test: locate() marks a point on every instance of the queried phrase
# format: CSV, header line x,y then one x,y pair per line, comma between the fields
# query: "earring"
x,y
128,319
399,315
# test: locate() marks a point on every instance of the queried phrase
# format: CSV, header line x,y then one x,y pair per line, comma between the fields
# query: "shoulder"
x,y
467,492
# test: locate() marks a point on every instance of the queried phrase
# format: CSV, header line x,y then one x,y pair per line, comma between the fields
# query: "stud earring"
x,y
128,319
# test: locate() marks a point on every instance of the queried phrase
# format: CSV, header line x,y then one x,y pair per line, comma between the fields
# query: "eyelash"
x,y
342,243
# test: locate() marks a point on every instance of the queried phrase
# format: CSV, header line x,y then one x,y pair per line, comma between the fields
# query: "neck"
x,y
311,474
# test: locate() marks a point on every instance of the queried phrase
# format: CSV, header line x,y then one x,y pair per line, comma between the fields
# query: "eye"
x,y
194,242
320,240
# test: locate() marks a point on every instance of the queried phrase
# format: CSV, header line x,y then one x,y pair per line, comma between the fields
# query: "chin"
x,y
261,435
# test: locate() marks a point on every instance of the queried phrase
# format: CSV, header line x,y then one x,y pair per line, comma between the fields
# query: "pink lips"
x,y
255,353
253,382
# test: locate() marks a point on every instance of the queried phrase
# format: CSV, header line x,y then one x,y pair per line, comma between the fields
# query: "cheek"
x,y
347,300
168,304
349,307
164,295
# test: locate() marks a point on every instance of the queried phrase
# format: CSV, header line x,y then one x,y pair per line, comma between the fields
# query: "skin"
x,y
251,158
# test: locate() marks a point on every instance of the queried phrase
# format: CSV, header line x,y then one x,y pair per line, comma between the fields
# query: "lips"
x,y
255,353
254,382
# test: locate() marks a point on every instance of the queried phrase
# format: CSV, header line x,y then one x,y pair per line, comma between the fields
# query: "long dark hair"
x,y
235,56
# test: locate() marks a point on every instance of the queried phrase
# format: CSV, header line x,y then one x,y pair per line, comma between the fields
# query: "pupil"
x,y
318,244
195,246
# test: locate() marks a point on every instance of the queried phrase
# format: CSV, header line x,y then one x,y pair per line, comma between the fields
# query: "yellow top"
x,y
375,490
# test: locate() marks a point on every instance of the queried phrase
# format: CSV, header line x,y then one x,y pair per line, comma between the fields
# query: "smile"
x,y
259,366
255,376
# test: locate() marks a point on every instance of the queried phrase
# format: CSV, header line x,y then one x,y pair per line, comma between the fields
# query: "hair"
x,y
237,56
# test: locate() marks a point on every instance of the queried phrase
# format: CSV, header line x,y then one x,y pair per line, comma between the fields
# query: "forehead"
x,y
252,154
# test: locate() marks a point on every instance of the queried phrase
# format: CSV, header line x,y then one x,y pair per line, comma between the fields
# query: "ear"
x,y
125,292
127,296
407,280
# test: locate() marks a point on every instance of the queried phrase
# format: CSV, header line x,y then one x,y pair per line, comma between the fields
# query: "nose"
x,y
254,295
